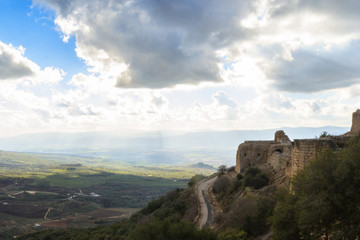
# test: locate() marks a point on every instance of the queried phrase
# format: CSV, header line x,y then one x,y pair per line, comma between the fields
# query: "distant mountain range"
x,y
202,165
63,142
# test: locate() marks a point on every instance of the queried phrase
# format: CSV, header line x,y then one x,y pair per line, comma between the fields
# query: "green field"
x,y
41,191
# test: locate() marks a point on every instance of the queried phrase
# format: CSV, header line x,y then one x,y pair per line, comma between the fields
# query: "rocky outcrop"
x,y
282,158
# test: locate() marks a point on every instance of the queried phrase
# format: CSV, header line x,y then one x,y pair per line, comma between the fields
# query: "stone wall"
x,y
281,159
355,128
251,154
306,149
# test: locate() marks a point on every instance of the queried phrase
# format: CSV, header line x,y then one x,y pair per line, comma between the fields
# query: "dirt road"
x,y
45,216
204,206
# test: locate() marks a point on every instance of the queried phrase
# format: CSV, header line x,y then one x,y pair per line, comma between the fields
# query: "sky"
x,y
170,65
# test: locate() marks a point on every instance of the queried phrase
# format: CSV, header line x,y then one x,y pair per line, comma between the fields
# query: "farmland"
x,y
40,191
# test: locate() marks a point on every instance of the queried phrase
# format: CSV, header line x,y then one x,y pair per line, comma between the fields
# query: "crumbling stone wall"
x,y
281,158
281,137
257,153
306,149
251,154
355,127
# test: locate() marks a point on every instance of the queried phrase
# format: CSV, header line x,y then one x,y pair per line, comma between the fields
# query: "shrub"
x,y
252,172
195,179
232,234
153,205
239,176
221,170
231,169
324,134
168,229
220,185
255,178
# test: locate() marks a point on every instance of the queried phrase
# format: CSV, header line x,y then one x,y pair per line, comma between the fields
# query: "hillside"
x,y
249,201
240,205
40,191
249,205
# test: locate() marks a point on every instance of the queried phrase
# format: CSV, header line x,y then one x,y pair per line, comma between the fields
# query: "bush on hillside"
x,y
168,229
195,179
231,169
239,176
255,178
222,170
220,185
232,234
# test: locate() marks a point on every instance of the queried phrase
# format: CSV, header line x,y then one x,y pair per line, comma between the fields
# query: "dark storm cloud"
x,y
331,61
312,71
170,42
164,43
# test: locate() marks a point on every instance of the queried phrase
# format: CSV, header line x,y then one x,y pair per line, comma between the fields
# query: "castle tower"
x,y
355,127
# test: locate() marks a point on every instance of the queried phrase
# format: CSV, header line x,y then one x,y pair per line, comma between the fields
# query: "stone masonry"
x,y
281,158
355,128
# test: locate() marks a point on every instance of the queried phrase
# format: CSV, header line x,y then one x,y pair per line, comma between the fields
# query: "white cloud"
x,y
14,66
299,58
221,98
150,43
295,46
292,46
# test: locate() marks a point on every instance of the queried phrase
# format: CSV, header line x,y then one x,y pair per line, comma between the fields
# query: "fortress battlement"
x,y
281,158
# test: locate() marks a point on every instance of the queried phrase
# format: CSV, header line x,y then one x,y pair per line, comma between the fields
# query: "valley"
x,y
46,191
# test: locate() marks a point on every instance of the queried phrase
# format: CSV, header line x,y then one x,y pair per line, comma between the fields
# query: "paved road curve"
x,y
203,208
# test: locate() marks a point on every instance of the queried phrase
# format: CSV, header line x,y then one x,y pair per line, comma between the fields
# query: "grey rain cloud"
x,y
169,42
312,71
163,42
11,69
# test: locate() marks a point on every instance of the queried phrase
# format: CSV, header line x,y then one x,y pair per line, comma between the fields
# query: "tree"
x,y
195,179
255,178
169,229
232,234
324,134
283,221
221,170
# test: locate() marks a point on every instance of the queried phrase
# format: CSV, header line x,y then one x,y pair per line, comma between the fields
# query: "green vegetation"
x,y
232,234
323,203
195,179
324,200
245,210
222,170
161,219
154,229
224,186
255,178
30,165
324,134
80,192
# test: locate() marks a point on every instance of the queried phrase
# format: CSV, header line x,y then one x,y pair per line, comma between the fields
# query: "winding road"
x,y
204,206
45,216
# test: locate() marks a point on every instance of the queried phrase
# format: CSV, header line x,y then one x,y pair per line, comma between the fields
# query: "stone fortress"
x,y
281,158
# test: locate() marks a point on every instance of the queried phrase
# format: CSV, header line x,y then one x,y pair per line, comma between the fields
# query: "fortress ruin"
x,y
281,158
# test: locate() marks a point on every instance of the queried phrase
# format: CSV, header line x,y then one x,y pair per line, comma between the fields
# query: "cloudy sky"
x,y
111,65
